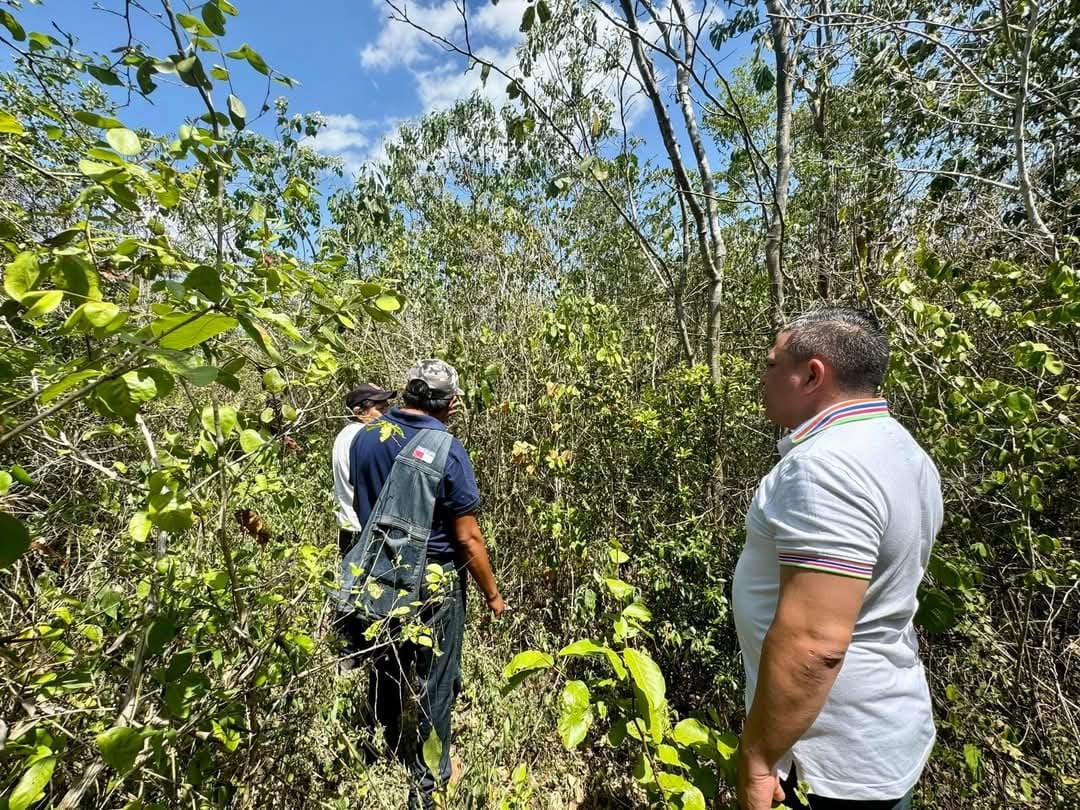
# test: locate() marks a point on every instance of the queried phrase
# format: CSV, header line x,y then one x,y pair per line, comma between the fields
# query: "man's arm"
x,y
468,533
800,659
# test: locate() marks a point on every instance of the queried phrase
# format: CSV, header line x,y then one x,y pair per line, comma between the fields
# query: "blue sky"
x,y
362,71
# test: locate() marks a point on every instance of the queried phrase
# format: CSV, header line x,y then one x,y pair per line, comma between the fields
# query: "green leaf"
x,y
14,539
1020,403
77,276
17,31
973,760
98,171
214,19
237,112
527,19
21,274
261,335
124,141
9,124
619,589
588,648
217,580
5,482
690,733
139,526
649,681
119,746
93,119
99,313
31,784
226,415
194,25
527,662
543,11
250,440
936,613
273,381
200,375
388,302
162,631
21,475
764,80
576,716
253,58
638,612
104,75
65,384
227,7
206,280
432,751
193,331
168,508
42,303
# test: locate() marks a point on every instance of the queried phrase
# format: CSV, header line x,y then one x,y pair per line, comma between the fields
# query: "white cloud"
x,y
400,44
502,21
341,133
349,138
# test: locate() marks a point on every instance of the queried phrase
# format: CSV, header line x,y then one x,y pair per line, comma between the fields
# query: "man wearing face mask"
x,y
455,544
838,537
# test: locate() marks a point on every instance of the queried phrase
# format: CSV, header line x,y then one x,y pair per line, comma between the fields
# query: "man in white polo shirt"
x,y
837,539
365,404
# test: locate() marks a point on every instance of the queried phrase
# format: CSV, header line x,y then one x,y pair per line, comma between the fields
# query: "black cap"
x,y
367,393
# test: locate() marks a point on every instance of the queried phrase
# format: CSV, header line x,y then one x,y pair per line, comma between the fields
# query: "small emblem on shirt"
x,y
423,454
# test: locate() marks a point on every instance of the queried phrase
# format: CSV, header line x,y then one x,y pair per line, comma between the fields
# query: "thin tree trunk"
x,y
671,146
1023,179
785,88
717,254
827,222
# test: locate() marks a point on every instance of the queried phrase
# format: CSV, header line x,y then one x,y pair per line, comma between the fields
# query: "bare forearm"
x,y
479,566
796,673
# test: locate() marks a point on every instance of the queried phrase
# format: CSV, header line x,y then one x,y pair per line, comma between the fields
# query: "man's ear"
x,y
815,377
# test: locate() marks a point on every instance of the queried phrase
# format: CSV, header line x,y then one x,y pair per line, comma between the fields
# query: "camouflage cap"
x,y
440,376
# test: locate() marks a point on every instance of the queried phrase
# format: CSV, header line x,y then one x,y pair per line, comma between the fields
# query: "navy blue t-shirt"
x,y
370,460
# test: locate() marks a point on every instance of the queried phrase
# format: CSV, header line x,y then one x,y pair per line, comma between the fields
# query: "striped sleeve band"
x,y
827,565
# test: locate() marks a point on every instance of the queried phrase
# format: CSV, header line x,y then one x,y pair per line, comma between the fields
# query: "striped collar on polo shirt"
x,y
851,410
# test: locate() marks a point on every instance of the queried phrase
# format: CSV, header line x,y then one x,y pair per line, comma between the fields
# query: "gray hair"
x,y
850,340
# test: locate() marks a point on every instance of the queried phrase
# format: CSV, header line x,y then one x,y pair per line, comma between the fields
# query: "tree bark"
x,y
717,254
785,89
1023,178
671,146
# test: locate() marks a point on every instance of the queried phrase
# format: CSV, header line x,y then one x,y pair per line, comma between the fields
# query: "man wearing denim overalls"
x,y
456,544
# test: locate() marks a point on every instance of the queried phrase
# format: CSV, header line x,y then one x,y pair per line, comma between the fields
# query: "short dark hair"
x,y
419,395
851,340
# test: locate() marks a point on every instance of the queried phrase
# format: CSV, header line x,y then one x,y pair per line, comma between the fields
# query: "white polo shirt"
x,y
343,490
854,495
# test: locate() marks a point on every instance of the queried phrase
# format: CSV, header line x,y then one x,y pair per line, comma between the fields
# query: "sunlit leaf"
x,y
9,124
124,141
31,784
250,440
21,274
528,661
183,330
120,746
